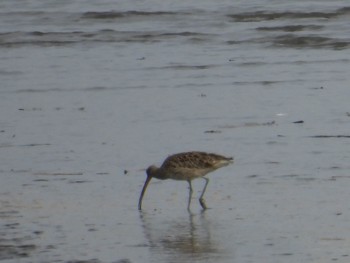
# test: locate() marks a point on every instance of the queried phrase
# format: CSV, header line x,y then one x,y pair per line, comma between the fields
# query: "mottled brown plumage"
x,y
186,166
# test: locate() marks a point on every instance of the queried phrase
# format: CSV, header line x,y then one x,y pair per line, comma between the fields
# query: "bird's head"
x,y
151,171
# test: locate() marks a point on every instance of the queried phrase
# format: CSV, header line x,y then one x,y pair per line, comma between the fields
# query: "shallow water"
x,y
90,90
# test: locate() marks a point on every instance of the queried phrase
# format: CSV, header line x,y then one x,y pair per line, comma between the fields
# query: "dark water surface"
x,y
92,89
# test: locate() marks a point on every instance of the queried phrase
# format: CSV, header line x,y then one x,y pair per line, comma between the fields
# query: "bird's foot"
x,y
202,203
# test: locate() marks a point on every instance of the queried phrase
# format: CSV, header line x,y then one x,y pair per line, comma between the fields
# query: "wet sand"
x,y
65,195
90,98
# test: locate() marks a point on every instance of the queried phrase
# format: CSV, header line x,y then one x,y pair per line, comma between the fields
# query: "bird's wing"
x,y
197,160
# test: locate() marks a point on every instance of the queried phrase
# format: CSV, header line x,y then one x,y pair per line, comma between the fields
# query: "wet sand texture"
x,y
93,93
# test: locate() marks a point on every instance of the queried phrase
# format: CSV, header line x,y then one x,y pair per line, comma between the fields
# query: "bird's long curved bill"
x,y
144,190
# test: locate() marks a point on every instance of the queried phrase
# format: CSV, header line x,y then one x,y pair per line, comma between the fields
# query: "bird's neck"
x,y
160,174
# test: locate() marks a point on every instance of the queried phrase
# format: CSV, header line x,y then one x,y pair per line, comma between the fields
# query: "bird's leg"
x,y
190,195
201,199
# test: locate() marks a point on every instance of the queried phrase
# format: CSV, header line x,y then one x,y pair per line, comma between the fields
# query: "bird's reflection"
x,y
180,238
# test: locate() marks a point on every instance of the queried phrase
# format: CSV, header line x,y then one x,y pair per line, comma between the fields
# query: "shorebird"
x,y
186,166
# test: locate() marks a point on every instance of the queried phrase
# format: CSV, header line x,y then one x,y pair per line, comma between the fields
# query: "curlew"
x,y
186,166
